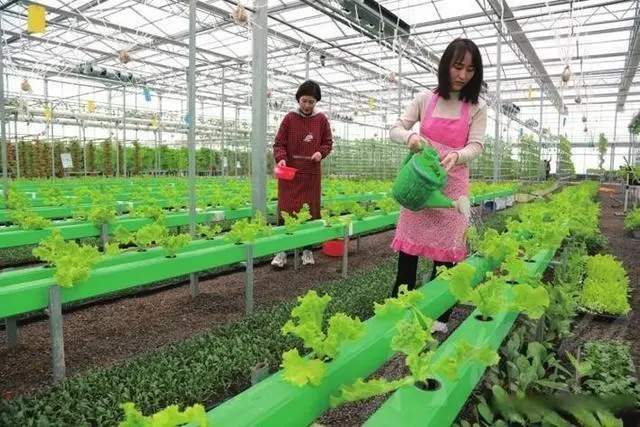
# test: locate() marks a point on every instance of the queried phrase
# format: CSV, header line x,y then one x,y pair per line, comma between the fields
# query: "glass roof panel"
x,y
354,65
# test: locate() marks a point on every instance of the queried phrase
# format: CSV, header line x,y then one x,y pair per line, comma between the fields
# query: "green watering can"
x,y
420,181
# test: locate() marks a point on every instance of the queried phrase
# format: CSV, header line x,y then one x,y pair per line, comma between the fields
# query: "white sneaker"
x,y
307,257
279,260
439,327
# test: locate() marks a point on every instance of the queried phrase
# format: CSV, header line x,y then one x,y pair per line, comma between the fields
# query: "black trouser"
x,y
407,272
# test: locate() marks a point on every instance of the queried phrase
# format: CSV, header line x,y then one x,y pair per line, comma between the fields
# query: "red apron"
x,y
303,138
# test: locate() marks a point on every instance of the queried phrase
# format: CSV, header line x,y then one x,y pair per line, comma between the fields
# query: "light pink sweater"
x,y
403,129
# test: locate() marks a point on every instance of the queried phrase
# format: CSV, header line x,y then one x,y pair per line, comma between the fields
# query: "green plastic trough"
x,y
411,406
26,296
274,403
82,229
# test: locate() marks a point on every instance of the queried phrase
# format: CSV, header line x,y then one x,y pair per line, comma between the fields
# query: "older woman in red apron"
x,y
303,140
453,120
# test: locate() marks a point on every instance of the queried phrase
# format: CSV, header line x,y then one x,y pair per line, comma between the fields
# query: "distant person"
x,y
547,169
303,140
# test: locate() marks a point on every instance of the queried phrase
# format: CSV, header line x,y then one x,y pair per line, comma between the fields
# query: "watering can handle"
x,y
425,144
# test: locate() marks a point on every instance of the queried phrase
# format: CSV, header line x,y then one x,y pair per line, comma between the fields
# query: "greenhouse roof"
x,y
361,69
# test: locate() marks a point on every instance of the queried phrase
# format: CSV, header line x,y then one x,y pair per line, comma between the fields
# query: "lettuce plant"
x,y
606,286
413,339
292,221
307,323
632,220
168,417
72,262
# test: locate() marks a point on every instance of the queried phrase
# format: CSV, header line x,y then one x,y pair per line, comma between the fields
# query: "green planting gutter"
x,y
82,229
78,230
410,406
124,206
26,296
275,403
13,277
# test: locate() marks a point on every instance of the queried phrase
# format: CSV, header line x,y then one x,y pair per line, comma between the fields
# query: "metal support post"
x,y
306,71
296,259
248,282
56,333
345,254
399,85
16,143
13,332
191,139
124,131
259,111
223,158
541,173
84,148
498,128
46,102
3,135
105,233
613,142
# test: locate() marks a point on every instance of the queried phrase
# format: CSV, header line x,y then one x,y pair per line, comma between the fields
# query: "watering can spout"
x,y
435,199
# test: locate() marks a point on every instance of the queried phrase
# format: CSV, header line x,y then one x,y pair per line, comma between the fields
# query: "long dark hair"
x,y
453,53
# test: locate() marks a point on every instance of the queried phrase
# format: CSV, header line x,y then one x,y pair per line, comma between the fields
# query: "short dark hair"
x,y
309,88
453,53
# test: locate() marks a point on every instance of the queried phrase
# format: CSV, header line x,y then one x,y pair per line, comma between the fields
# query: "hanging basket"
x,y
124,57
25,86
566,73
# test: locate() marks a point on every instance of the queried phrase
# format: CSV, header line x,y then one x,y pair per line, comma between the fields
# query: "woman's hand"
x,y
449,161
282,163
316,157
414,143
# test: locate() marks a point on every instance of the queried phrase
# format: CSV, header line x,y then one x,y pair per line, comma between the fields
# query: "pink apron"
x,y
437,233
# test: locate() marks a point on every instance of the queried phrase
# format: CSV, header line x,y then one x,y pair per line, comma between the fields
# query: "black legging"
x,y
407,272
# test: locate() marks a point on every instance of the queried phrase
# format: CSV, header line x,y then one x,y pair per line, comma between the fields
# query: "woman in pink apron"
x,y
453,120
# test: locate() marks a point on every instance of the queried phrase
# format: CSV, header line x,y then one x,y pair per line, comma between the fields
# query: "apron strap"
x,y
428,111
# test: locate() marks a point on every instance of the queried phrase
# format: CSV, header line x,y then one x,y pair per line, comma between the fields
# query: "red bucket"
x,y
333,248
285,173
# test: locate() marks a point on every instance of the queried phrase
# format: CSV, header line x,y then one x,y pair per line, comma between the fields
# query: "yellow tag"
x,y
372,103
530,94
91,106
36,19
154,122
47,114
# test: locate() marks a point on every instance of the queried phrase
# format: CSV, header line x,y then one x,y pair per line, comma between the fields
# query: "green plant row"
x,y
606,286
145,214
227,193
73,263
269,402
206,368
539,227
532,385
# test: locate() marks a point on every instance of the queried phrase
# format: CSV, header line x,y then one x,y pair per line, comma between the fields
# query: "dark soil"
x,y
103,334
